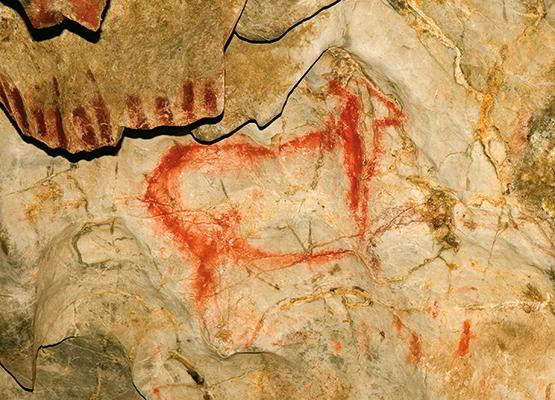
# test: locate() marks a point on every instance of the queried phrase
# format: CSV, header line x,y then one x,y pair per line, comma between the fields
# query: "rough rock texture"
x,y
153,64
265,20
375,222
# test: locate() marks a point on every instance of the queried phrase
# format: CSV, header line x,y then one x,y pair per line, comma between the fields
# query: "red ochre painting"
x,y
213,238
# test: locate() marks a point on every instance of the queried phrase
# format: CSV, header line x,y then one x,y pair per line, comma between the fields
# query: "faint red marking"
x,y
210,100
137,113
87,12
163,109
464,341
213,238
42,15
415,348
56,87
434,310
519,137
41,122
19,107
395,119
338,347
101,112
102,116
156,391
188,101
397,325
82,121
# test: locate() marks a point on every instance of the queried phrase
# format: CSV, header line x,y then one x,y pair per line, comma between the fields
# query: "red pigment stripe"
x,y
102,116
415,348
56,87
163,110
56,116
19,107
210,100
188,98
464,341
40,121
136,113
353,158
82,121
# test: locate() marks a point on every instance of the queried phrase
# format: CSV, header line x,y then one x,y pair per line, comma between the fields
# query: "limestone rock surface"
x,y
371,217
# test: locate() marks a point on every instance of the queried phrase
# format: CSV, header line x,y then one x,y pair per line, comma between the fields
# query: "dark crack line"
x,y
292,27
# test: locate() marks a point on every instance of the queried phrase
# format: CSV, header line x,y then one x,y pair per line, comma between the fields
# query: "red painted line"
x,y
136,113
19,108
415,348
55,116
102,116
163,110
188,101
210,100
40,121
82,122
211,239
464,341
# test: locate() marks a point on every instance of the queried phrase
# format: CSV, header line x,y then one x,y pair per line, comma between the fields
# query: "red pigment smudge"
x,y
41,122
464,341
210,100
20,108
163,109
87,12
102,116
434,310
42,15
338,347
188,99
136,113
213,239
415,348
82,121
156,391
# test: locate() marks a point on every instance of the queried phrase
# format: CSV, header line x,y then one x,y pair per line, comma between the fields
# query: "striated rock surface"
x,y
373,217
